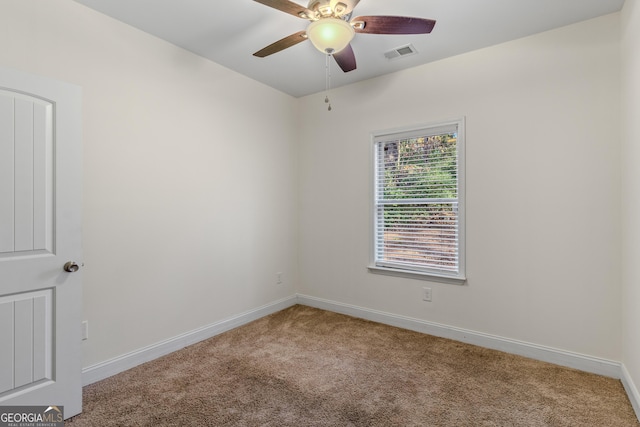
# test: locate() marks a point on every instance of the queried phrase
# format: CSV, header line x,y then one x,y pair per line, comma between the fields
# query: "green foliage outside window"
x,y
419,168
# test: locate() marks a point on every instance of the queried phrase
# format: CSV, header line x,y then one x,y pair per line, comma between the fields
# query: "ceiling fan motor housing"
x,y
334,8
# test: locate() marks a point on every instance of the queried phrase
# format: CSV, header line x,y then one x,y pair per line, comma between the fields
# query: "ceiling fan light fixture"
x,y
330,35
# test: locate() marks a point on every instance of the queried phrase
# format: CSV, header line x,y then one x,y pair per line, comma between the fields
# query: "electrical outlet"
x,y
279,277
426,294
85,330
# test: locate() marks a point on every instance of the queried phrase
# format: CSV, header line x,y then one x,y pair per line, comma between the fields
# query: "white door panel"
x,y
26,190
40,230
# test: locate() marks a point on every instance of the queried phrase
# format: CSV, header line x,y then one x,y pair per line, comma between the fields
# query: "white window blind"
x,y
418,189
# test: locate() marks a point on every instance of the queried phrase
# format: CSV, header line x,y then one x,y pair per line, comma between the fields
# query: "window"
x,y
419,202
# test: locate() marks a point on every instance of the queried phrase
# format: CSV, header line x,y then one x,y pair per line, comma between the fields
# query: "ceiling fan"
x,y
332,29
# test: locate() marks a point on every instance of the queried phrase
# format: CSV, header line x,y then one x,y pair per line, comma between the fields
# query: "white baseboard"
x,y
582,362
119,364
632,390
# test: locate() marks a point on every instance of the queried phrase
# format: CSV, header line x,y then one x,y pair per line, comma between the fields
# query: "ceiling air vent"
x,y
400,52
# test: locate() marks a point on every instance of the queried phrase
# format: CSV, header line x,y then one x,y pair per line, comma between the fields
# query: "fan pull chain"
x,y
327,80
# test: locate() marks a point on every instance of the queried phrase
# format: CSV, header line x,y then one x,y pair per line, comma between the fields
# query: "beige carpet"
x,y
308,367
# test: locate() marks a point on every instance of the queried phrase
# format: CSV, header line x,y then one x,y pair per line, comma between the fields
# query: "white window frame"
x,y
435,128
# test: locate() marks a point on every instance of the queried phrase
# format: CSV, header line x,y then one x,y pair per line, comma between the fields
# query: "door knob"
x,y
71,267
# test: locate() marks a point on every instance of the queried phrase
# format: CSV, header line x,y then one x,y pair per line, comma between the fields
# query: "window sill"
x,y
416,275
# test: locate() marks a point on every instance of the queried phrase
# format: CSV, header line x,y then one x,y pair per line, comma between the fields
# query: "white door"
x,y
40,231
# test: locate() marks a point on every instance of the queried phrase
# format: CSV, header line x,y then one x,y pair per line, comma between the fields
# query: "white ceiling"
x,y
228,32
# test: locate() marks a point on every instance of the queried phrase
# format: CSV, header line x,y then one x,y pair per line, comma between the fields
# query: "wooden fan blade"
x,y
346,59
282,44
392,25
288,7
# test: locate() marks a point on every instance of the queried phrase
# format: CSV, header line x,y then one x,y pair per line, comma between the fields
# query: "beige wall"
x,y
189,214
631,191
543,189
189,176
